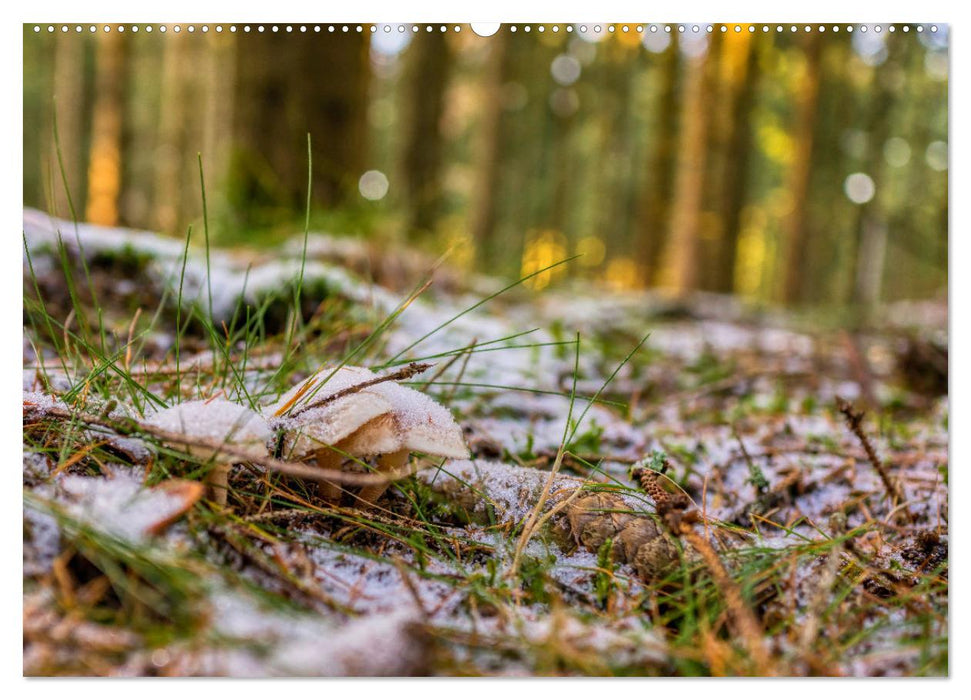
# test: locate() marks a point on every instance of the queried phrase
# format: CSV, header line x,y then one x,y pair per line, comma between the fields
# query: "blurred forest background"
x,y
784,167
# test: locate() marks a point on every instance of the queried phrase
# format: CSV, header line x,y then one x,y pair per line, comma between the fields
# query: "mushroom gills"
x,y
389,462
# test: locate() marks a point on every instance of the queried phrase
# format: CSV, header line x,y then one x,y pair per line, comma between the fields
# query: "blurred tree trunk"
x,y
427,69
142,109
796,227
872,252
218,82
69,111
104,164
561,176
196,61
619,71
681,259
170,147
289,85
870,246
485,199
656,195
839,108
738,76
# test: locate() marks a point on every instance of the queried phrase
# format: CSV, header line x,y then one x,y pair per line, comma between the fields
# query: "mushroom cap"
x,y
216,419
382,418
333,422
422,424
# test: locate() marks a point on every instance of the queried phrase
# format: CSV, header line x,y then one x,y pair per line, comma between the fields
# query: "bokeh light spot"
x,y
896,151
564,102
936,156
373,185
592,251
565,70
859,188
656,42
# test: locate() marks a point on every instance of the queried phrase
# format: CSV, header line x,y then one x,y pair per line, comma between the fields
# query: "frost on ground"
x,y
128,570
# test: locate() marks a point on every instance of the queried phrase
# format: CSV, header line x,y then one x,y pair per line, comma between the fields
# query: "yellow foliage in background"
x,y
623,273
543,249
591,251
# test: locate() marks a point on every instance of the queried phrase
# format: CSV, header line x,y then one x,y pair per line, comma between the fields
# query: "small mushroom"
x,y
217,422
384,420
417,424
323,432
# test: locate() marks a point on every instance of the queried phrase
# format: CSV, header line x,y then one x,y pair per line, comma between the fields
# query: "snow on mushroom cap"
x,y
325,383
384,417
424,425
332,422
216,419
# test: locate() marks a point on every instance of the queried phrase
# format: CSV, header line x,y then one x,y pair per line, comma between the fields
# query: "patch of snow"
x,y
230,278
215,419
121,507
39,404
375,586
42,541
275,643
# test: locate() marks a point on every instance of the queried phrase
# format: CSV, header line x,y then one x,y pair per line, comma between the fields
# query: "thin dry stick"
x,y
858,365
756,477
854,420
440,371
826,580
746,623
276,568
312,386
406,372
530,527
673,511
238,455
412,589
131,333
582,488
461,374
531,523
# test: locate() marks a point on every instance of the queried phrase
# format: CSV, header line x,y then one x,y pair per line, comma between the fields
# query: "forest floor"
x,y
787,535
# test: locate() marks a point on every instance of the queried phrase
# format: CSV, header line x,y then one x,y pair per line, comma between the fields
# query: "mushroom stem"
x,y
217,481
391,462
328,458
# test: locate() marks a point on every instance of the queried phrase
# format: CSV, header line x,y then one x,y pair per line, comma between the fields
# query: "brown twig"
x,y
859,367
305,591
441,370
854,420
461,374
820,597
675,513
237,454
756,477
406,372
412,589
